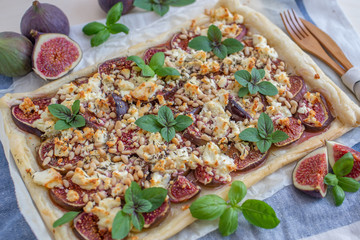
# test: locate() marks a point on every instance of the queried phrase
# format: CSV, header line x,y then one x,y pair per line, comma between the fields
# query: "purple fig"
x,y
86,228
292,127
154,218
115,64
193,134
237,112
151,51
203,177
310,171
182,190
252,160
121,106
107,4
298,87
180,40
243,32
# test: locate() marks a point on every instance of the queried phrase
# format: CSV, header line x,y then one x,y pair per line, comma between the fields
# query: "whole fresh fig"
x,y
15,54
45,18
107,4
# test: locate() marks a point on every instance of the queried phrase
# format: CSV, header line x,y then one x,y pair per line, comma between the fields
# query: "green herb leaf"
x,y
344,165
278,136
253,88
214,34
220,51
165,116
228,221
180,3
265,124
142,205
262,73
138,220
237,192
155,195
267,88
144,4
149,123
339,195
243,77
256,76
167,71
161,9
121,225
75,107
233,45
331,179
118,28
157,60
129,207
93,28
263,145
201,43
182,122
259,214
349,184
59,111
208,207
168,133
133,193
100,38
67,217
61,125
114,13
78,121
138,60
250,135
243,92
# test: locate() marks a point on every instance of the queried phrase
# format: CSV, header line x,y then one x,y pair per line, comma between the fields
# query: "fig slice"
x,y
293,128
337,150
151,51
115,65
85,228
314,112
154,218
182,190
193,134
298,87
25,120
121,106
310,171
202,176
180,40
252,160
243,32
237,112
54,55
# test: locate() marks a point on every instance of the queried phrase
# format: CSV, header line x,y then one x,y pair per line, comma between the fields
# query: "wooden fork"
x,y
301,35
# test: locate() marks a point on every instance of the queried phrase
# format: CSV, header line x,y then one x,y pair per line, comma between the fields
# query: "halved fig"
x,y
337,150
252,160
121,106
182,190
314,112
193,134
151,51
202,176
237,112
292,127
180,40
310,171
298,87
127,136
114,66
243,32
86,228
154,218
25,120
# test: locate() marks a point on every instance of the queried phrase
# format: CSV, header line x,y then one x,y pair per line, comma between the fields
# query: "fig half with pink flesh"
x,y
193,134
180,40
205,178
293,128
115,66
25,120
252,160
154,218
310,171
337,150
85,228
182,190
298,87
151,51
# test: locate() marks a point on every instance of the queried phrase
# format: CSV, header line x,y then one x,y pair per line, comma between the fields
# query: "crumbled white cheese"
x,y
49,178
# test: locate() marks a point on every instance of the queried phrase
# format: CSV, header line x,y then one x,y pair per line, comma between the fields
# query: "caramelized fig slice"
x,y
181,40
252,160
116,64
203,177
154,218
237,112
151,51
314,112
292,127
193,134
243,32
310,171
86,228
121,106
298,87
25,120
182,190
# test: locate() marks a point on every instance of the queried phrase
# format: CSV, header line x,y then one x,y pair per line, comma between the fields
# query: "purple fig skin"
x,y
242,33
154,218
237,112
182,190
298,87
252,160
194,136
114,64
15,54
45,18
294,130
107,4
151,51
183,43
121,106
85,228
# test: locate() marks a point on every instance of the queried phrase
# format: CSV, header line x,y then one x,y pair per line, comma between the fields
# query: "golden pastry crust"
x,y
347,114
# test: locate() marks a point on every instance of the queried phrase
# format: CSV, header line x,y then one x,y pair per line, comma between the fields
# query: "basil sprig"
x,y
156,66
164,123
264,134
210,207
341,184
66,118
213,43
102,32
161,7
67,217
137,201
251,84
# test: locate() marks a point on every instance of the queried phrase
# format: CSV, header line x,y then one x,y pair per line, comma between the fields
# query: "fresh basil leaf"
x,y
344,165
157,60
149,123
100,38
243,77
250,135
200,43
155,195
167,71
278,136
220,51
61,125
259,213
180,3
138,60
214,34
118,28
165,116
129,207
147,71
78,121
138,220
144,4
339,195
262,73
233,45
142,205
255,75
252,88
265,124
114,13
133,193
67,217
228,221
59,111
208,207
182,122
121,225
331,179
267,88
237,192
167,133
160,9
75,107
349,184
243,92
93,28
263,145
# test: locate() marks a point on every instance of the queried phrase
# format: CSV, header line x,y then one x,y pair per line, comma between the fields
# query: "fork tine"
x,y
288,27
295,24
300,24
